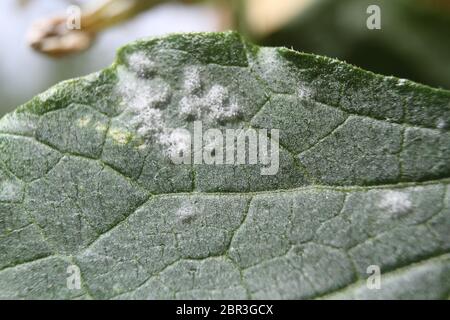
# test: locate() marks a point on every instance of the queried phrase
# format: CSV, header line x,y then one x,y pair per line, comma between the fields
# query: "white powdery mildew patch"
x,y
10,190
271,59
217,103
441,124
395,202
274,65
148,122
222,107
191,107
141,64
49,93
304,92
192,82
141,93
144,99
177,142
186,212
402,82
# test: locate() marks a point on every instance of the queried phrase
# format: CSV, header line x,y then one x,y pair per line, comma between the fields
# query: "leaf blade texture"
x,y
363,180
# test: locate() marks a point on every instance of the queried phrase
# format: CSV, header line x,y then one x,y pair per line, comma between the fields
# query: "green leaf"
x,y
86,181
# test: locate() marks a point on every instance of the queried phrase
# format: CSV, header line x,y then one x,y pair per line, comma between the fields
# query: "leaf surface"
x,y
363,180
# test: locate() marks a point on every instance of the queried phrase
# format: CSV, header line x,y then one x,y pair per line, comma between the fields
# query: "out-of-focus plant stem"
x,y
52,37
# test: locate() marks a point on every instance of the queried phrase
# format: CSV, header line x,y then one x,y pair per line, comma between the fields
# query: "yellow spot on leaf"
x,y
84,121
100,127
120,136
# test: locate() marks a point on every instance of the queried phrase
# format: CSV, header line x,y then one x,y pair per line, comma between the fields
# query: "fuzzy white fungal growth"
x,y
221,108
191,107
9,190
148,122
192,82
140,94
304,92
144,99
395,202
185,212
178,142
275,64
141,64
216,102
270,57
441,124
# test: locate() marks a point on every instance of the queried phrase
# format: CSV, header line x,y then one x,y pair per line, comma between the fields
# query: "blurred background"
x,y
413,42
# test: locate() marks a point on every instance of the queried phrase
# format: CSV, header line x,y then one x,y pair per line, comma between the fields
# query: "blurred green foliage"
x,y
413,42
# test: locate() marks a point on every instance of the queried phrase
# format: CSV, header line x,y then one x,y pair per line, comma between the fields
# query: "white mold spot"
x,y
395,202
273,64
271,58
442,124
304,92
140,94
178,142
186,212
191,107
402,82
217,102
192,81
144,99
19,123
46,95
10,190
140,63
148,122
221,106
